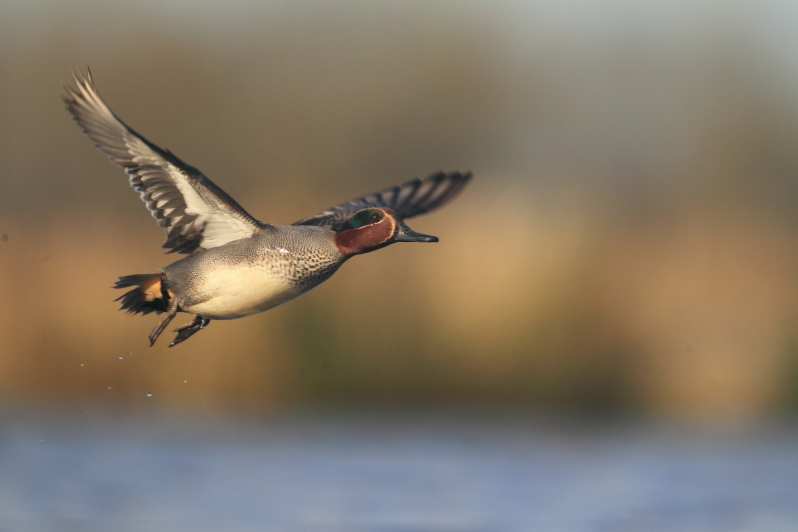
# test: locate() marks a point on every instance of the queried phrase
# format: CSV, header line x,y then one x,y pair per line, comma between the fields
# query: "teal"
x,y
235,265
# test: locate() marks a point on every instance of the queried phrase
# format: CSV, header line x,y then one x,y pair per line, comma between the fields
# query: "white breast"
x,y
235,292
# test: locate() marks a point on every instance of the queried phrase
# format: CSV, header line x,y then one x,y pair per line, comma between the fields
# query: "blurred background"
x,y
628,247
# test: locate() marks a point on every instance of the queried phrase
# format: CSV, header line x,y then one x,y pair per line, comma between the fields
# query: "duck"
x,y
235,265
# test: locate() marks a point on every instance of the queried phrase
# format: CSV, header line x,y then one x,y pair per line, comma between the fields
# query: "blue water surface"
x,y
391,472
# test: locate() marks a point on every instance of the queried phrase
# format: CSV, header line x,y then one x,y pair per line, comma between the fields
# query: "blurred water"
x,y
392,472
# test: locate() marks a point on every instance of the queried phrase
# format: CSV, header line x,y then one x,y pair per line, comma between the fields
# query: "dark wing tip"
x,y
412,198
431,193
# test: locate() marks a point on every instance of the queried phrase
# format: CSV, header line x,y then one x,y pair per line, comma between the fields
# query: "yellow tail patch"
x,y
151,288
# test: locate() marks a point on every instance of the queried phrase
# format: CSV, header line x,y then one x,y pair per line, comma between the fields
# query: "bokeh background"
x,y
628,250
629,243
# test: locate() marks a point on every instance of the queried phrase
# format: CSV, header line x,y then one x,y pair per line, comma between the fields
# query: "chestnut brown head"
x,y
374,228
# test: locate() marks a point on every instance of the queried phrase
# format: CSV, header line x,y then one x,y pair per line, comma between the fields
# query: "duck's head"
x,y
374,228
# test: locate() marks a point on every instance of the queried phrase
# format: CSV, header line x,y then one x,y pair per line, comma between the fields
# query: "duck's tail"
x,y
149,294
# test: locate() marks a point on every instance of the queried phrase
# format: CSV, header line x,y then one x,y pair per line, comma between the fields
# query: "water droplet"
x,y
185,381
149,394
130,353
109,387
121,358
81,365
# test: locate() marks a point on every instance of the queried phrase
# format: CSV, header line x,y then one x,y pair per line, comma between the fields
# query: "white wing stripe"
x,y
177,194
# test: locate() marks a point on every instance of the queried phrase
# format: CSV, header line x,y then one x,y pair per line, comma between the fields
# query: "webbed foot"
x,y
185,332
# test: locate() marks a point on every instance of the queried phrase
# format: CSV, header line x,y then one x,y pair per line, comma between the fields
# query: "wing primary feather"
x,y
412,198
194,201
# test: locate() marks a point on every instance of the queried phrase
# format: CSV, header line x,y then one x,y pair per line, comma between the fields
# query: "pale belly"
x,y
243,291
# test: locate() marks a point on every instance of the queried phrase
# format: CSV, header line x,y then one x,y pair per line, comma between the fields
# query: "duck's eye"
x,y
361,219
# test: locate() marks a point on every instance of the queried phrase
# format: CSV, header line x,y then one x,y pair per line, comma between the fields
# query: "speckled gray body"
x,y
236,265
250,275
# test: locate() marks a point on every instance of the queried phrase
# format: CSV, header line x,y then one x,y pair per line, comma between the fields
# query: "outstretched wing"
x,y
410,199
195,213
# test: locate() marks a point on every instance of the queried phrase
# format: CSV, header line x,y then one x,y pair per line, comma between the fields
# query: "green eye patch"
x,y
361,219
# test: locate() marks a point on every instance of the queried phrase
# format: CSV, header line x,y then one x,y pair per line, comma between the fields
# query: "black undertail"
x,y
149,294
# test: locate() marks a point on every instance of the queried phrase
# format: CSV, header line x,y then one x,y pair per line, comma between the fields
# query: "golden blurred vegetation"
x,y
628,244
